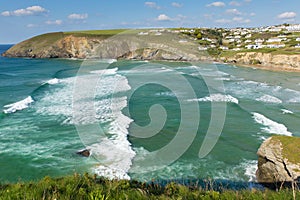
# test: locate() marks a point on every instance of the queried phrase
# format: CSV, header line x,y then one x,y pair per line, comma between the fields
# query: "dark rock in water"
x,y
85,153
279,160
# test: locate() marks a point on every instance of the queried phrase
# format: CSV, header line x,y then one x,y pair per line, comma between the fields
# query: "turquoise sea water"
x,y
50,108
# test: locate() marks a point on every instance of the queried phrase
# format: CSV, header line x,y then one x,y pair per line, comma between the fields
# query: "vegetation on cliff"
x,y
238,46
91,187
279,160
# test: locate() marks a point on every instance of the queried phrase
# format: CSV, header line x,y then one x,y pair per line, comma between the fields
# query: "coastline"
x,y
167,47
263,67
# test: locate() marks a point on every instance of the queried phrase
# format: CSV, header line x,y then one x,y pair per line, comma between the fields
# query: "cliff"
x,y
270,61
156,45
125,45
279,160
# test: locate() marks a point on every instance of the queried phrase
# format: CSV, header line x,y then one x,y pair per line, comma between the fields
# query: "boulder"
x,y
84,153
279,160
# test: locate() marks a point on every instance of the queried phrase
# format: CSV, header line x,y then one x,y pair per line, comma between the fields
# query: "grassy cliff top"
x,y
290,147
87,187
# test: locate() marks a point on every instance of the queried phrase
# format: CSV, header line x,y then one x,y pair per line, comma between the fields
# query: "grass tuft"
x,y
92,188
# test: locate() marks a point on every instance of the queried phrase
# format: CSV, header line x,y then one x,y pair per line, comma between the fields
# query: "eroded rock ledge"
x,y
279,160
266,60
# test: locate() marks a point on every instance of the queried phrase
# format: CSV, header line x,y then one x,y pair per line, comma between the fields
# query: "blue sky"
x,y
22,19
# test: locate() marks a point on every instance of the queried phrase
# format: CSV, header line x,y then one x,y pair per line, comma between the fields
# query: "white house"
x,y
224,48
236,49
272,40
202,48
292,28
143,33
275,46
248,36
259,41
254,46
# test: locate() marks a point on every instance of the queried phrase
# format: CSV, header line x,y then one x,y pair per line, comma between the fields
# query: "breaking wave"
x,y
271,126
217,98
20,105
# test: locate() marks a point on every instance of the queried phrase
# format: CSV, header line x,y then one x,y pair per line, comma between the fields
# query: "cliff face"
x,y
53,46
267,60
126,46
166,46
279,160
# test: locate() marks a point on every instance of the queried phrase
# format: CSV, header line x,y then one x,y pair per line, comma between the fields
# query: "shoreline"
x,y
261,67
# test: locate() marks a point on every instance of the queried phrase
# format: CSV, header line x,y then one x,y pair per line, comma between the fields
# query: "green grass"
x,y
286,51
94,33
90,187
291,148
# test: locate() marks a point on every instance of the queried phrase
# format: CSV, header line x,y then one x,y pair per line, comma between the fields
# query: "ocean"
x,y
141,120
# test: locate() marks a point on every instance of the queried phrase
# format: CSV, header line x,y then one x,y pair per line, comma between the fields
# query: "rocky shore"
x,y
269,61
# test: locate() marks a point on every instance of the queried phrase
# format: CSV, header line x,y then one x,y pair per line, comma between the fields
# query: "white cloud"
x,y
55,22
32,10
78,16
287,15
163,17
31,25
233,12
151,4
247,1
241,20
223,21
181,17
252,14
216,4
235,3
208,16
5,13
177,5
233,20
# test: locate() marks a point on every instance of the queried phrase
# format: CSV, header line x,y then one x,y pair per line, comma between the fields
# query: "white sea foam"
x,y
105,71
168,94
217,98
53,81
223,79
113,152
250,169
271,126
269,99
285,111
20,105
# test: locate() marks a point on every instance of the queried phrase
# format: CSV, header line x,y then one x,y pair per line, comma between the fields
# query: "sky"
x,y
22,19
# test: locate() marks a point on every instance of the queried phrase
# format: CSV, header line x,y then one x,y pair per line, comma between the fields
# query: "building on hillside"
x,y
254,46
293,28
272,40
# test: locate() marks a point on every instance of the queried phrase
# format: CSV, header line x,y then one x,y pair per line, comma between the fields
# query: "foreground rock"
x,y
279,160
84,153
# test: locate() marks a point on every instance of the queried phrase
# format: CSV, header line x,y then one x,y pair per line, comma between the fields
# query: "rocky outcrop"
x,y
266,60
279,160
84,153
53,45
125,46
